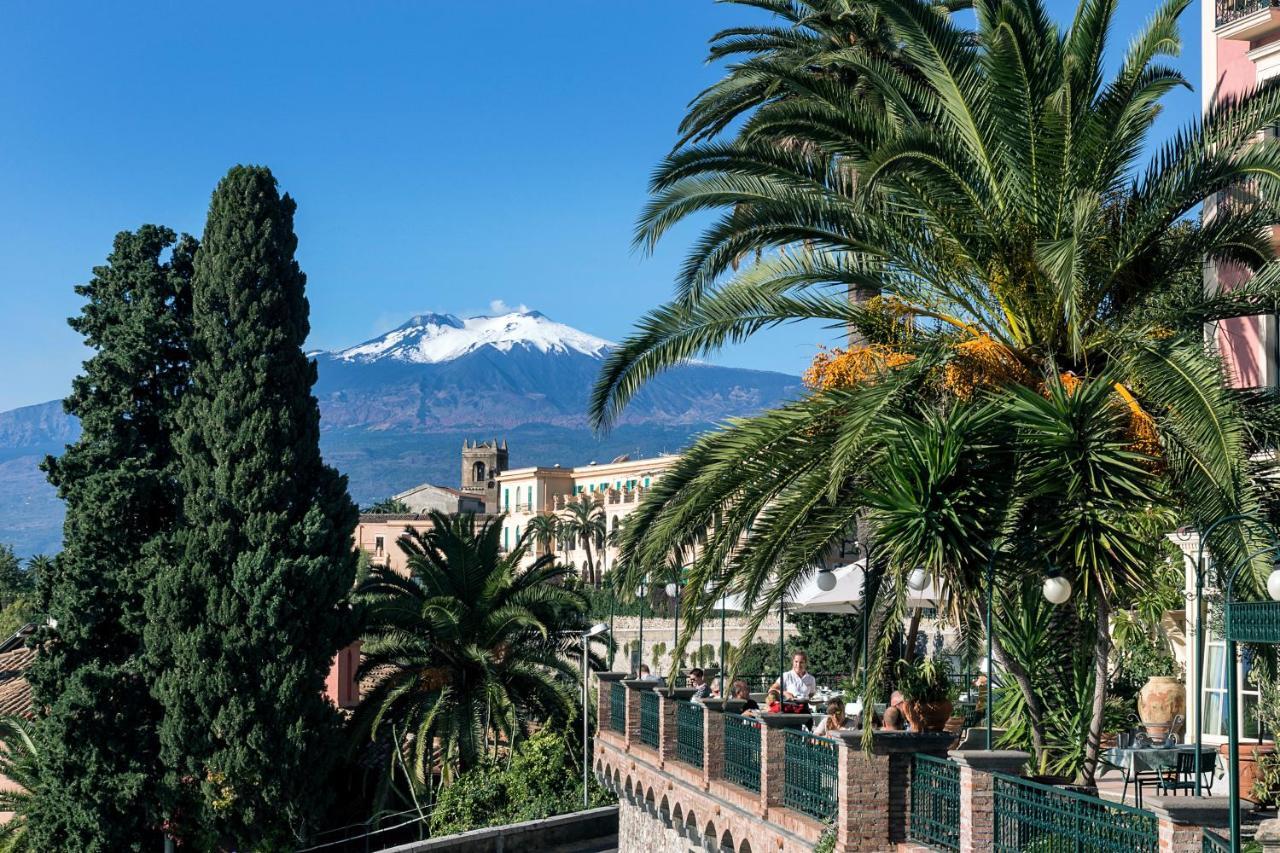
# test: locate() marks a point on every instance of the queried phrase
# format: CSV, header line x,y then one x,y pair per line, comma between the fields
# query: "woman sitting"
x,y
773,702
834,720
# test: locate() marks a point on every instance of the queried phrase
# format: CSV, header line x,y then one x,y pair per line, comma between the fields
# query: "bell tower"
x,y
482,462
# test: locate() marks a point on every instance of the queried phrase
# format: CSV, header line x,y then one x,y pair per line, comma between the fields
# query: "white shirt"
x,y
801,687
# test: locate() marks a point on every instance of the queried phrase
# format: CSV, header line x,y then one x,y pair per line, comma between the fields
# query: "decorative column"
x,y
977,793
874,808
1269,836
604,699
773,742
712,741
1182,820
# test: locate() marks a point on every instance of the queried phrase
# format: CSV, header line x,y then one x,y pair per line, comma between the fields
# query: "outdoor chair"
x,y
1181,778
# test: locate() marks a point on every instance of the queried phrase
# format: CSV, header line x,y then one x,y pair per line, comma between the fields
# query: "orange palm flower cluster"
x,y
840,368
1142,426
982,362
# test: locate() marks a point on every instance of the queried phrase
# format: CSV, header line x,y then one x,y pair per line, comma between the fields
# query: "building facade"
x,y
1240,48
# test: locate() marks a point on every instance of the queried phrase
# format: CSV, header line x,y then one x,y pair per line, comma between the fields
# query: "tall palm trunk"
x,y
1035,711
1101,656
913,631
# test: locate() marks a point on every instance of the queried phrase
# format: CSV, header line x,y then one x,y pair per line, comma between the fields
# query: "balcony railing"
x,y
811,777
689,733
935,802
1212,842
1029,815
742,751
649,718
1230,11
618,707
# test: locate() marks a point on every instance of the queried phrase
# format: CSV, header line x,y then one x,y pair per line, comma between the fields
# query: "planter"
x,y
1160,700
927,716
1249,753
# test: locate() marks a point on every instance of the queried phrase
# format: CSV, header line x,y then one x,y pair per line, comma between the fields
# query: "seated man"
x,y
834,720
698,681
797,685
645,675
741,690
894,719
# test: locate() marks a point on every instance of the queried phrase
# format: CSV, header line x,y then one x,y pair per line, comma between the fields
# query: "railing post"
x,y
773,765
604,698
977,793
873,810
1269,836
712,741
1181,821
634,687
667,722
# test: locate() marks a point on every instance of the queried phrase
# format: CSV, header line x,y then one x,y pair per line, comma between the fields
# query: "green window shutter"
x,y
506,537
506,499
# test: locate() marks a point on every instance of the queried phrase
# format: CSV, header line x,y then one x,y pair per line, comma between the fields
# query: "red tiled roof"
x,y
15,692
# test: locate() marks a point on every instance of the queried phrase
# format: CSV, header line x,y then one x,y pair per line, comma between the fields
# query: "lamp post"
x,y
587,635
1200,569
673,592
991,595
641,594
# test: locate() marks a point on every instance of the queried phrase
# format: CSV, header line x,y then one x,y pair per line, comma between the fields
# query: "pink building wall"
x,y
1229,69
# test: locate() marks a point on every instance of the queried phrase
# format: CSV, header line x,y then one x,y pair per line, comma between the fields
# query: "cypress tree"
x,y
247,618
97,733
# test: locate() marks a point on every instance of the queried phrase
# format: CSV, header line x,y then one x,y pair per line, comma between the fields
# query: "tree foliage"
x,y
247,610
468,649
1026,378
98,732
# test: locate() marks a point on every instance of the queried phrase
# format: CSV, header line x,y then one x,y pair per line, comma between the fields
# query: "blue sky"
x,y
442,158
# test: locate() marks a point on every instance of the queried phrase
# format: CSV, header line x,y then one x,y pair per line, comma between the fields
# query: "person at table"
x,y
894,720
646,675
740,690
773,702
834,720
698,681
797,684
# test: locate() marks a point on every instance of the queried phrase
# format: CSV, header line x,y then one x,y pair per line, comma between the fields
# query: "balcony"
x,y
1246,20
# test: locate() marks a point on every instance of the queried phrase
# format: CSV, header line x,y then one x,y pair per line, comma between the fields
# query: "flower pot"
x,y
1249,753
1160,700
927,716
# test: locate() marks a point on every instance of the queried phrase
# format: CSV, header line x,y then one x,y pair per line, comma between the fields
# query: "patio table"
x,y
1135,760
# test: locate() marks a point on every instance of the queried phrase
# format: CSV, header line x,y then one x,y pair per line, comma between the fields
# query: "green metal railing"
x,y
689,733
1255,622
1212,842
810,774
1031,816
935,802
742,751
649,718
618,707
1232,10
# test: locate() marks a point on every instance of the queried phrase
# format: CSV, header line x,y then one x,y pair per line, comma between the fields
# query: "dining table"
x,y
1136,762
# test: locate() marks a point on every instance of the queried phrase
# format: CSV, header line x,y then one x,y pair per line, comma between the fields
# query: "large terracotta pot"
x,y
1249,753
927,716
1160,700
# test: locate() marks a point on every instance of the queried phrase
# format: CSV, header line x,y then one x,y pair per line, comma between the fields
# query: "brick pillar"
x,y
604,698
712,743
772,756
1182,820
666,728
634,686
874,808
977,793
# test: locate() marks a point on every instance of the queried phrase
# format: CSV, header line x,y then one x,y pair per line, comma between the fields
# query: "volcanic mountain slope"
x,y
396,409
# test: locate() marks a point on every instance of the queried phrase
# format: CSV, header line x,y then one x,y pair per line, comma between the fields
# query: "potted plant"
x,y
925,685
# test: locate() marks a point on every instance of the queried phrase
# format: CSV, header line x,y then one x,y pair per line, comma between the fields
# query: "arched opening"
x,y
726,842
746,846
691,830
477,472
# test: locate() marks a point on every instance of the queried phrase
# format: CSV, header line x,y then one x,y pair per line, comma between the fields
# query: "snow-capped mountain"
x,y
432,338
395,410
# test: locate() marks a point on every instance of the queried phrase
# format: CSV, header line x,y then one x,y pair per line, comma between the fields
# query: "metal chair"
x,y
1182,777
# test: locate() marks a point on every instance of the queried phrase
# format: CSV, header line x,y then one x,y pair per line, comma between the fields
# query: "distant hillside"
x,y
395,410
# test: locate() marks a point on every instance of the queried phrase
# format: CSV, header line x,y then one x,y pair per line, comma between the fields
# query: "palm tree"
x,y
543,529
469,648
20,764
1028,379
584,522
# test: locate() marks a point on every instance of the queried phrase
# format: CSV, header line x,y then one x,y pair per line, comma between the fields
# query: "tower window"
x,y
477,472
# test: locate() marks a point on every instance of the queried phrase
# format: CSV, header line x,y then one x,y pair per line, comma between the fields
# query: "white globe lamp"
x,y
918,579
826,580
671,590
1273,585
1057,590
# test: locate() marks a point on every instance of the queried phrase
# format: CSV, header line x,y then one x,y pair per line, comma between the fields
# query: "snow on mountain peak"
x,y
433,338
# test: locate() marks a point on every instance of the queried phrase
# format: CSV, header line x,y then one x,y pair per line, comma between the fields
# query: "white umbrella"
x,y
846,595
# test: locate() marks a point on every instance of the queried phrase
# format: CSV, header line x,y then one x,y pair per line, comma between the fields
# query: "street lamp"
x,y
1273,584
587,636
673,592
641,595
1056,590
918,580
826,579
